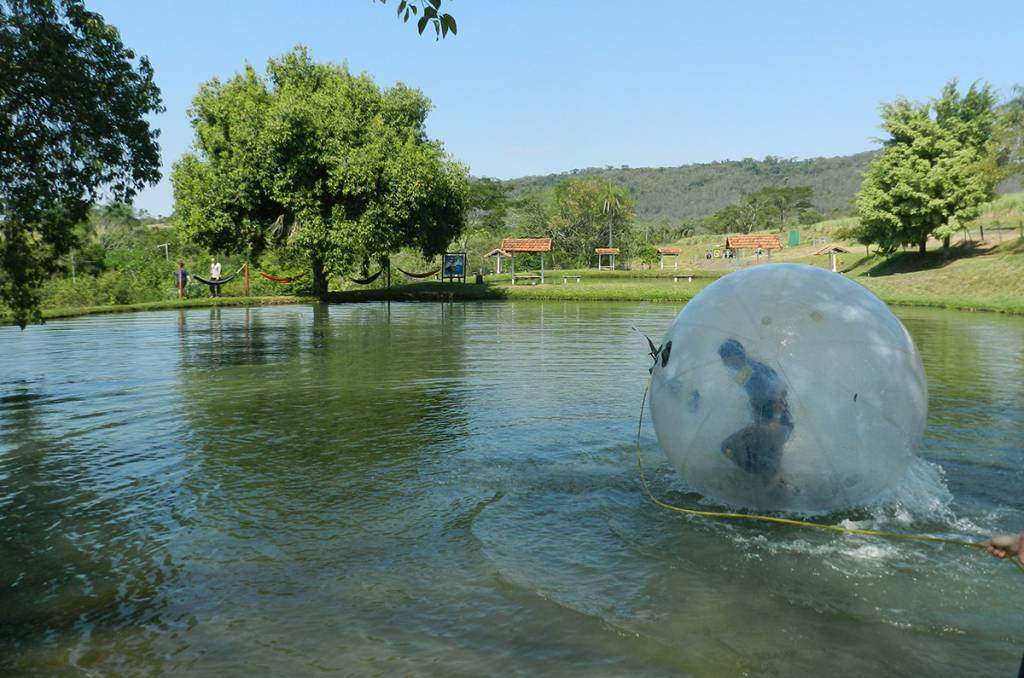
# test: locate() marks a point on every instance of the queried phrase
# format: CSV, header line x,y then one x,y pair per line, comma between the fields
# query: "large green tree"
x,y
770,207
314,158
73,101
585,212
1010,133
935,171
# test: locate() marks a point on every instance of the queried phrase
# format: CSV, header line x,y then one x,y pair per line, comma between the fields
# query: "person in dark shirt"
x,y
181,278
757,448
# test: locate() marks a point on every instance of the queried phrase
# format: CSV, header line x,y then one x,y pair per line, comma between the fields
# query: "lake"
x,y
451,489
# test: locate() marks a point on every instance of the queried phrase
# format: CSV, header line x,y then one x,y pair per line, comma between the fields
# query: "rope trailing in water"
x,y
281,281
784,521
420,275
367,281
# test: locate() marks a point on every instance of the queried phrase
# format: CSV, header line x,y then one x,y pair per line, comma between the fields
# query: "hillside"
x,y
690,192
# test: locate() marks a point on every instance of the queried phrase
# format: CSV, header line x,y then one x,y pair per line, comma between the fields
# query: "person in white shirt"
x,y
214,275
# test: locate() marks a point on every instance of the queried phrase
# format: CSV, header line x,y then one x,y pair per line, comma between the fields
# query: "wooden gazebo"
x,y
497,253
668,252
832,251
753,242
534,245
609,252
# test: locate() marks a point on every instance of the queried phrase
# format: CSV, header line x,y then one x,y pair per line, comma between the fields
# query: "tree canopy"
x,y
313,158
936,169
73,101
584,212
770,207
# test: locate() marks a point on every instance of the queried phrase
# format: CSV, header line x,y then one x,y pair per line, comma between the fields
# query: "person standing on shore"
x,y
181,278
214,275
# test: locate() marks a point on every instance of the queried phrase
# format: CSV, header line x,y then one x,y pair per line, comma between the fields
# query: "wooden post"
x,y
541,268
245,269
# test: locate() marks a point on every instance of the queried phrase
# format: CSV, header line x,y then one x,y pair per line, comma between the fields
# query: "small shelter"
x,y
832,251
668,252
758,243
609,252
497,253
539,245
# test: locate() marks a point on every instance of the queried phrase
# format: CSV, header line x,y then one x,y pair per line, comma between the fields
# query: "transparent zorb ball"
x,y
788,387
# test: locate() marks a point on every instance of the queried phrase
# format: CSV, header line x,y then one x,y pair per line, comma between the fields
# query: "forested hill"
x,y
689,192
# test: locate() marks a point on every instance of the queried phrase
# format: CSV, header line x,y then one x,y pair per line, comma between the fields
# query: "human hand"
x,y
1003,545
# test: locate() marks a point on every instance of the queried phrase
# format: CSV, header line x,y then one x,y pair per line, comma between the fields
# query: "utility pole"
x,y
167,255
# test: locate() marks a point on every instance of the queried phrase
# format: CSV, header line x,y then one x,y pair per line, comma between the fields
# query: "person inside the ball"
x,y
757,448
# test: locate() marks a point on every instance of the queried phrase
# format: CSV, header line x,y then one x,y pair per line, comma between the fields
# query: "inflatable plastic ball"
x,y
788,387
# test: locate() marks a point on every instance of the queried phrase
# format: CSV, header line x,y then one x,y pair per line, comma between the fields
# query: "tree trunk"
x,y
922,245
982,229
319,279
945,248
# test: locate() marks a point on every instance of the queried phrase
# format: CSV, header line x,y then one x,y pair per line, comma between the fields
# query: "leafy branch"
x,y
427,13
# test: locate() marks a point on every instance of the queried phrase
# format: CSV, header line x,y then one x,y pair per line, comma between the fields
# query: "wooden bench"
x,y
675,278
565,278
532,278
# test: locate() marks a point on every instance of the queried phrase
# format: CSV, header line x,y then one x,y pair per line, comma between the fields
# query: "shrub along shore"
x,y
995,285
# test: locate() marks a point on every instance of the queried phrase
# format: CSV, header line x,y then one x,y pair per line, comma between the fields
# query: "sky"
x,y
532,87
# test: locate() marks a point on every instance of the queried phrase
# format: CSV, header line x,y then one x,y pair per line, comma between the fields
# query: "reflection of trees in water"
x,y
77,564
974,363
963,361
310,396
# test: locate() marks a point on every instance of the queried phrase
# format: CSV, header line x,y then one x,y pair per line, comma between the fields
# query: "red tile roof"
x,y
750,242
606,250
526,244
668,250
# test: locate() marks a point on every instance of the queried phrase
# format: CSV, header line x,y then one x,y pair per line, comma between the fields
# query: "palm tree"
x,y
612,205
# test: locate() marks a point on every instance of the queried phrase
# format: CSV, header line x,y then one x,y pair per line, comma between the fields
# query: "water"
x,y
450,489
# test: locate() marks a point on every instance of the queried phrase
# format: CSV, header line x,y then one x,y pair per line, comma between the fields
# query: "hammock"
x,y
281,280
218,281
367,281
420,275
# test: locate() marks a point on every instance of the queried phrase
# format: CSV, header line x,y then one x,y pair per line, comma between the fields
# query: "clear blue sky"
x,y
542,86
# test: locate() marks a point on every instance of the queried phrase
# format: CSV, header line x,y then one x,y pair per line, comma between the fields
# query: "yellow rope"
x,y
784,521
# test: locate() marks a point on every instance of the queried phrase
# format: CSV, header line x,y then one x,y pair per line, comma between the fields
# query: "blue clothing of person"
x,y
181,277
757,448
766,392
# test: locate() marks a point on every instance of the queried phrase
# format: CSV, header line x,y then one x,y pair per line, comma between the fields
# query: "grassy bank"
x,y
983,270
976,276
622,287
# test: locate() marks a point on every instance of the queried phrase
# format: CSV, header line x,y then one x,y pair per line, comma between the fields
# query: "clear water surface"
x,y
450,489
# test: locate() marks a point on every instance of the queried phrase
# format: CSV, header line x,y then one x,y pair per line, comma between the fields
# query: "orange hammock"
x,y
281,280
367,281
420,275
